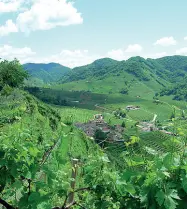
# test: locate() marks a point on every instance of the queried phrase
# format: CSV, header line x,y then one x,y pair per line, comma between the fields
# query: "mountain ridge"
x,y
47,73
135,65
108,76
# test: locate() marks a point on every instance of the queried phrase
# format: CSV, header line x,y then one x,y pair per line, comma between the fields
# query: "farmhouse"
x,y
131,107
98,117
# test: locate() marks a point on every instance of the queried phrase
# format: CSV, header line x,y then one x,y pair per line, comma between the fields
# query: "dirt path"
x,y
155,116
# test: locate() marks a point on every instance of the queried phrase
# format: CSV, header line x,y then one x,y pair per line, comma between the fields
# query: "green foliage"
x,y
27,141
120,113
149,178
179,90
124,90
6,91
37,143
102,68
123,124
100,135
99,68
68,120
12,73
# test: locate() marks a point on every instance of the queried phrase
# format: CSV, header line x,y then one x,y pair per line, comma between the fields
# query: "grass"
x,y
76,114
106,93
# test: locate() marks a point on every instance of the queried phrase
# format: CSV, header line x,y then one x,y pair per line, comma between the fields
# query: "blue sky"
x,y
75,34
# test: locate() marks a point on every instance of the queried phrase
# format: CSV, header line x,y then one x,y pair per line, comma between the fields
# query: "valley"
x,y
113,118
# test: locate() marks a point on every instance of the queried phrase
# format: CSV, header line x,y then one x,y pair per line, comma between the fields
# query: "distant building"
x,y
131,107
98,117
169,133
147,126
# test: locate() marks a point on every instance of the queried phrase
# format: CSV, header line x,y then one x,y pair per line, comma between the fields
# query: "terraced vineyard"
x,y
132,153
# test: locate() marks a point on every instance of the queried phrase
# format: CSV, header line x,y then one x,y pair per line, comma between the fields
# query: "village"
x,y
112,133
115,133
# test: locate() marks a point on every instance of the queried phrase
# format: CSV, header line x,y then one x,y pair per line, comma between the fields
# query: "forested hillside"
x,y
169,68
110,76
178,90
45,73
176,65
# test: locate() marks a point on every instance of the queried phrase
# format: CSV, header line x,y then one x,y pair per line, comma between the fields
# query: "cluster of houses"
x,y
150,126
114,133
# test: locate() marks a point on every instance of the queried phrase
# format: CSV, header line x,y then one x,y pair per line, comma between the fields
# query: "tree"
x,y
123,124
100,135
173,114
12,73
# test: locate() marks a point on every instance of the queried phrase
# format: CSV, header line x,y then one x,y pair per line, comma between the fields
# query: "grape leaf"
x,y
160,197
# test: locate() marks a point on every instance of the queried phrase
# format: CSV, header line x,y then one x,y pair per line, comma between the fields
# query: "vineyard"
x,y
37,146
46,162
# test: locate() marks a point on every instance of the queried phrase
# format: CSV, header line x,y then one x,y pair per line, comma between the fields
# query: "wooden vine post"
x,y
73,181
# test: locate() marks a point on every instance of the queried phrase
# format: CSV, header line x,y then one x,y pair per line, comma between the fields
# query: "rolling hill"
x,y
134,75
170,68
46,73
115,84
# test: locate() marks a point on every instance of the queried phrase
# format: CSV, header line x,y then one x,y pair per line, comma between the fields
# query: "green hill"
x,y
136,76
46,73
143,69
113,84
96,69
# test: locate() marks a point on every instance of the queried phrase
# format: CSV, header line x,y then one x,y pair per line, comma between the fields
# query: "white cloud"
x,y
38,15
9,52
9,27
166,41
70,58
185,38
156,55
121,54
117,54
48,14
134,48
9,5
160,54
182,51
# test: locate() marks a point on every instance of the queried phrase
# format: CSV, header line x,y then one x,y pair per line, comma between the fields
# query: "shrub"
x,y
6,91
12,73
